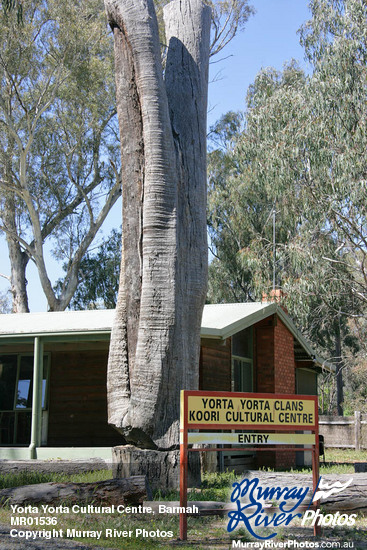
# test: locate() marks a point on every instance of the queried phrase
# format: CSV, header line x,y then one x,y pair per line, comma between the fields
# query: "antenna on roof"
x,y
274,248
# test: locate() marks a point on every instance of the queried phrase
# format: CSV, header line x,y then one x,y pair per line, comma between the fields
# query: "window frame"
x,y
243,359
23,410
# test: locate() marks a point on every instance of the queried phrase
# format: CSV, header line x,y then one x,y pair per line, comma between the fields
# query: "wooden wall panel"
x,y
78,400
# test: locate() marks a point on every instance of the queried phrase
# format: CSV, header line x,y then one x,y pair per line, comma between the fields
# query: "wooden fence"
x,y
345,431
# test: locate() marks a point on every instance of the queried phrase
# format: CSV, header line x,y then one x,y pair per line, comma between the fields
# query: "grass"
x,y
214,486
345,455
341,461
202,529
204,532
337,461
31,478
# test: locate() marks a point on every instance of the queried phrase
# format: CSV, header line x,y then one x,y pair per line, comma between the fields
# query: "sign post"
x,y
209,411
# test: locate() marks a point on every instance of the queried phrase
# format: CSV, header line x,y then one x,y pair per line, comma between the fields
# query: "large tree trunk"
x,y
155,340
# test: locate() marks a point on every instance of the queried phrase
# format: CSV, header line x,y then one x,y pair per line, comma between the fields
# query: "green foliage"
x,y
303,153
13,6
218,480
99,276
59,150
356,380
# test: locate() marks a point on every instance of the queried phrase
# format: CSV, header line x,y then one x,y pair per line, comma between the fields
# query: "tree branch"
x,y
72,272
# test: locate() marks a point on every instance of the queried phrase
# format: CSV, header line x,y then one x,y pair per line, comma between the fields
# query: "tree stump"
x,y
208,461
162,468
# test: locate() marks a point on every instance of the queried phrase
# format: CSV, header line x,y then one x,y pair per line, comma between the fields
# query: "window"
x,y
242,381
242,374
16,391
242,361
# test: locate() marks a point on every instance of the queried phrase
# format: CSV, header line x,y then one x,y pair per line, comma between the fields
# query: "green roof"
x,y
219,321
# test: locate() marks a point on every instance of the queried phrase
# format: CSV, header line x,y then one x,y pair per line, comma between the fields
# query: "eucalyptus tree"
x,y
228,18
5,302
9,6
155,339
59,162
247,199
335,42
99,274
303,152
304,143
266,228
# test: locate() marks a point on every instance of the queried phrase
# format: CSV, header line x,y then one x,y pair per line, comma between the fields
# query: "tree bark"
x,y
161,468
186,76
132,490
18,259
339,371
155,339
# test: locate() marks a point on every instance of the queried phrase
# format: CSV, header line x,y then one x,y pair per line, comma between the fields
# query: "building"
x,y
53,374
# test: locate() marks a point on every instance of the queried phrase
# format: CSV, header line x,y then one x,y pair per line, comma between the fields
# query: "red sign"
x,y
201,410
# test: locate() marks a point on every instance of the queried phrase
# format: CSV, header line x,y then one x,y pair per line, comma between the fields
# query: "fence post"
x,y
357,430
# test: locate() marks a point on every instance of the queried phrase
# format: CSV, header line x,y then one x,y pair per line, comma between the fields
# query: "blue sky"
x,y
269,40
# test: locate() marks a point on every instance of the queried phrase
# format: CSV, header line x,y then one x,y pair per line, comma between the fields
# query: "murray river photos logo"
x,y
251,499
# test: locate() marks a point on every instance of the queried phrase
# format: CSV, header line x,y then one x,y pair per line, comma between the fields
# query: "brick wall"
x,y
285,379
275,373
215,365
264,356
284,362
